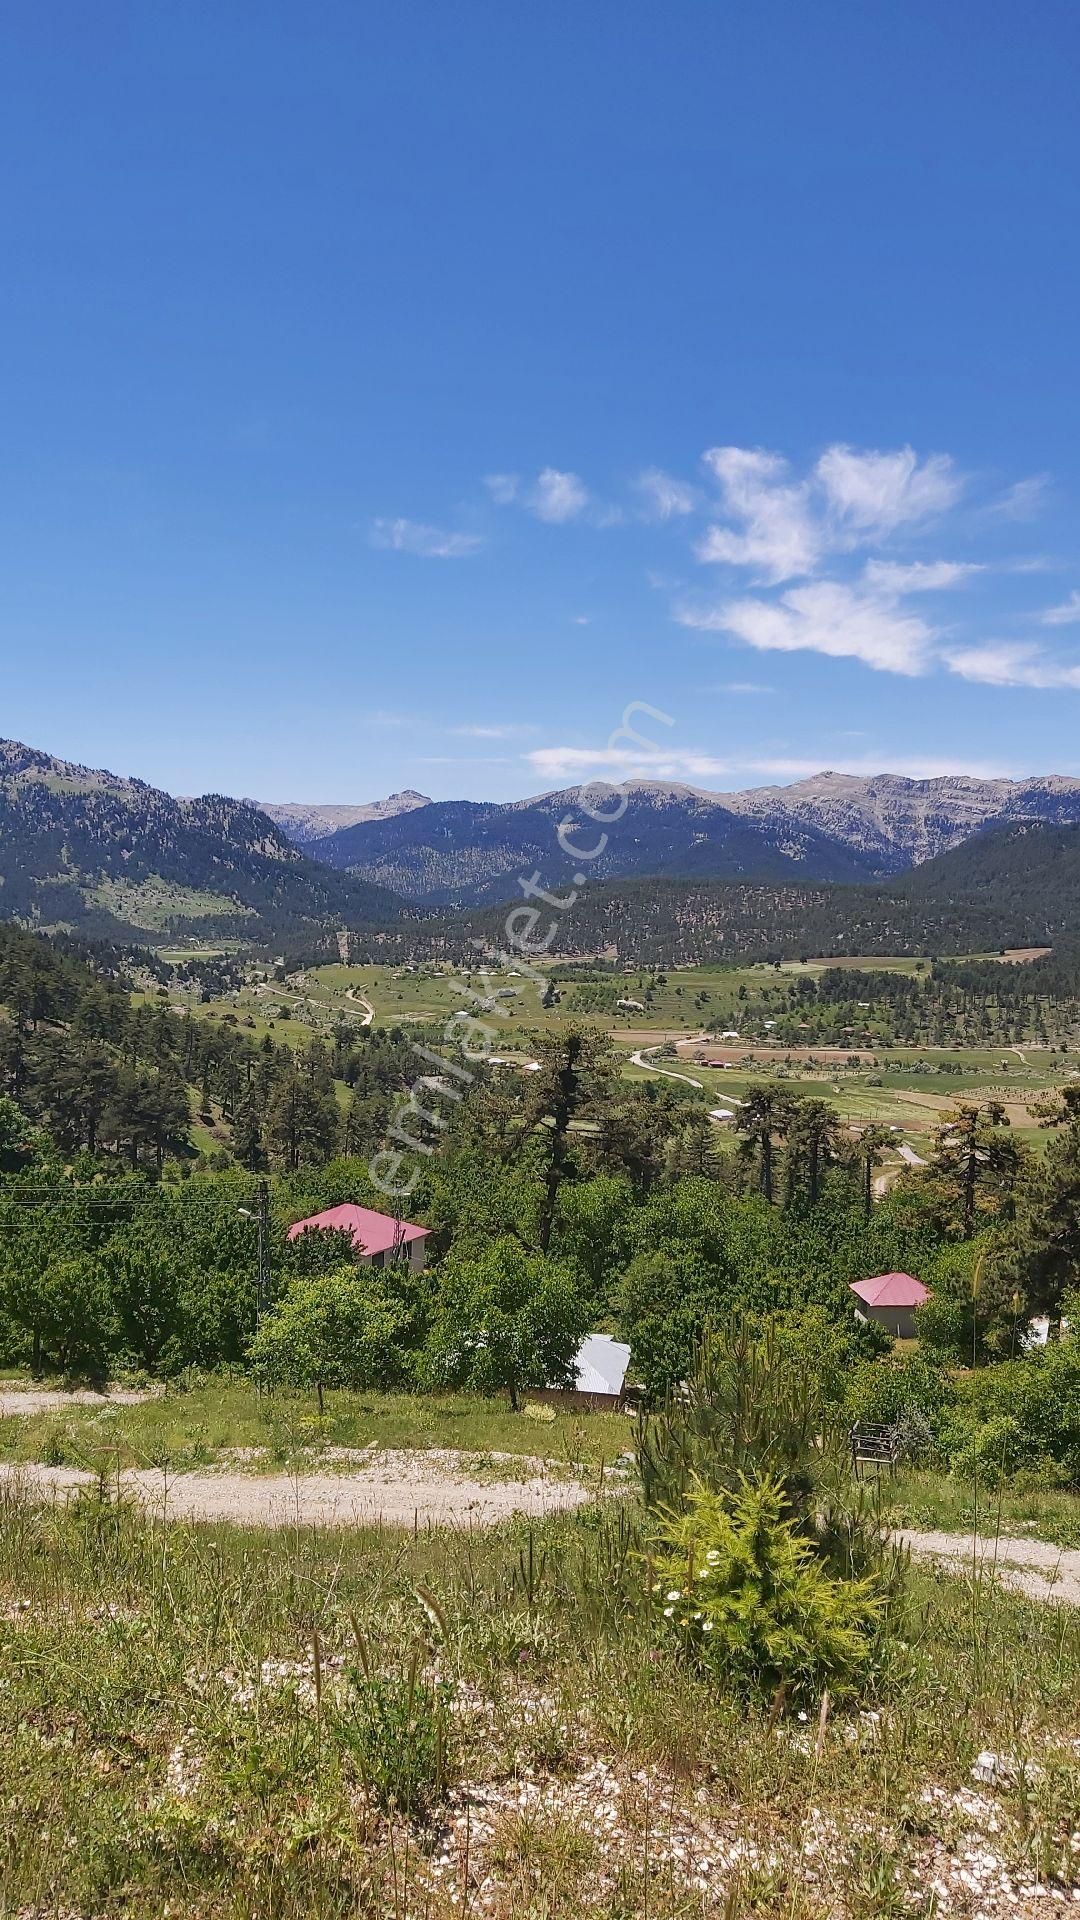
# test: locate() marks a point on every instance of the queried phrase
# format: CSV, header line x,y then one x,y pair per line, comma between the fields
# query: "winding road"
x,y
638,1061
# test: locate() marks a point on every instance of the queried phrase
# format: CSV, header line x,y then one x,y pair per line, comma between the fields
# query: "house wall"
x,y
899,1321
416,1250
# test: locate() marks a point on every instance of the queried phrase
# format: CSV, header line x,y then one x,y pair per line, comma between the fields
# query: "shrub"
x,y
742,1589
396,1727
890,1392
1021,1416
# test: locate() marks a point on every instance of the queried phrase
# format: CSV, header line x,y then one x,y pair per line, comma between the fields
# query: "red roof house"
x,y
372,1234
891,1299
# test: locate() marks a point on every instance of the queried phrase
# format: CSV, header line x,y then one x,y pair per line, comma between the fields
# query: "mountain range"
x,y
833,827
304,822
110,855
84,848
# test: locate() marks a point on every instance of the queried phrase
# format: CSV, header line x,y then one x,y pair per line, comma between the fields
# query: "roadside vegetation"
x,y
615,1713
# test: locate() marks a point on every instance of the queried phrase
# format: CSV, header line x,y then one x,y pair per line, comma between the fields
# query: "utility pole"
x,y
261,1217
263,1282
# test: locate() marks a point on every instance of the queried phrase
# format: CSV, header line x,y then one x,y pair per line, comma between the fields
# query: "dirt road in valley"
x,y
639,1060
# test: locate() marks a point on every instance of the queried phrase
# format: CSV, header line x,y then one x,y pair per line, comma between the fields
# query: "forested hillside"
x,y
111,856
1012,887
106,1074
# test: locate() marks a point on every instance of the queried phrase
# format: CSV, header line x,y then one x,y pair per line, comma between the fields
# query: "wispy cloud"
x,y
1021,501
874,493
741,686
1011,664
776,534
503,487
428,543
917,576
558,497
694,765
504,730
664,497
824,616
779,527
1066,615
577,763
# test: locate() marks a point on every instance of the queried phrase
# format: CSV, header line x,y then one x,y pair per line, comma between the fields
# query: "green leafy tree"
x,y
145,1285
505,1319
339,1329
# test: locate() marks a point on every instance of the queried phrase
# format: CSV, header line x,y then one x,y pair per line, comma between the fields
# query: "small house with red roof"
x,y
890,1299
374,1236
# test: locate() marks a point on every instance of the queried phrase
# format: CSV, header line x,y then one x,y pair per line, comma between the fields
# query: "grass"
x,y
939,1501
201,1720
215,1418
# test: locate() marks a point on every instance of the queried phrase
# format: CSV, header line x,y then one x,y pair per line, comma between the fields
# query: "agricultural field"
x,y
690,1011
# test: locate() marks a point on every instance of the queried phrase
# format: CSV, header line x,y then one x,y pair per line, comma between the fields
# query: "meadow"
x,y
213,1721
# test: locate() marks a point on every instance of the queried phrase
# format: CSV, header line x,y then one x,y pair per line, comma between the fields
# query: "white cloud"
x,y
665,497
874,493
824,617
780,527
909,766
1011,664
777,536
558,497
1023,499
1064,616
919,576
742,686
695,765
504,731
503,487
430,543
579,763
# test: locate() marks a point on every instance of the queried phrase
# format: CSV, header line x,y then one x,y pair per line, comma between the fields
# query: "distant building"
x,y
599,1378
373,1234
890,1301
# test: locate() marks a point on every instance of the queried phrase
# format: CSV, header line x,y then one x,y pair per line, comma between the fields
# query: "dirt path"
x,y
351,993
392,1489
16,1400
1033,1567
639,1061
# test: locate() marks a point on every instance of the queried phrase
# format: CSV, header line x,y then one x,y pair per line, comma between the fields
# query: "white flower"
x,y
708,1627
674,1594
668,1611
699,1616
713,1557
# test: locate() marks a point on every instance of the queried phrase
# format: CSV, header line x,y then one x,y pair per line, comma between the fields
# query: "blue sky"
x,y
393,393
